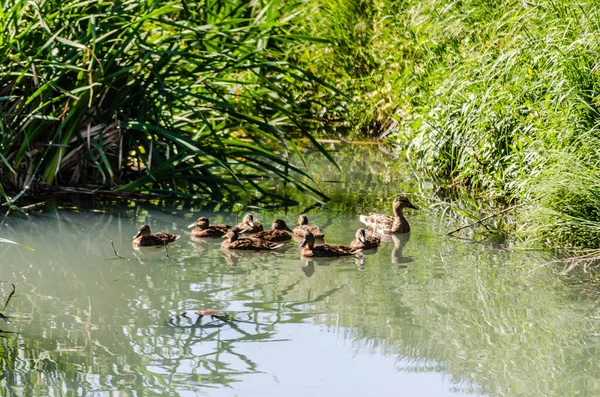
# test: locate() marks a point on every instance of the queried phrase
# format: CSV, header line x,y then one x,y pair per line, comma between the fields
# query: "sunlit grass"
x,y
491,96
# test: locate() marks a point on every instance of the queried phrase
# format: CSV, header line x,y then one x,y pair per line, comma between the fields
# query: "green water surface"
x,y
424,315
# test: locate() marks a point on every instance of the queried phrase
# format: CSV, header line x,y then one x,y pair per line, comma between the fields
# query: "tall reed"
x,y
161,97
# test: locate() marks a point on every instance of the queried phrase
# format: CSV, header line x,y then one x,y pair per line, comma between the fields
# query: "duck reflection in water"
x,y
233,257
310,262
400,241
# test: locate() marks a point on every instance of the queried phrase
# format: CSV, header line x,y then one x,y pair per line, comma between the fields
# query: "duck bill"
x,y
287,229
192,225
138,234
251,222
413,207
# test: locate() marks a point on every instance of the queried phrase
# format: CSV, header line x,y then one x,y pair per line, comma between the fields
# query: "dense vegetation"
x,y
497,97
196,99
202,99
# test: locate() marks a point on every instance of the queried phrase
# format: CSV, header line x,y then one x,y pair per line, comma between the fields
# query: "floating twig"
x,y
117,256
478,221
32,206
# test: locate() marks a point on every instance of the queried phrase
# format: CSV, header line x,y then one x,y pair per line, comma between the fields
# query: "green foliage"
x,y
179,97
493,96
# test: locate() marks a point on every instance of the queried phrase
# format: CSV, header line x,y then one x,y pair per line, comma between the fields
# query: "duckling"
x,y
202,228
246,243
386,224
310,249
361,241
145,238
304,227
249,225
278,232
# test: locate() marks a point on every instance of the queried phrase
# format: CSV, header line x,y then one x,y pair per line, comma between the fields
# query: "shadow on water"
x,y
486,319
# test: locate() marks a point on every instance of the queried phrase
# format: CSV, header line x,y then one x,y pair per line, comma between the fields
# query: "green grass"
x,y
501,98
194,99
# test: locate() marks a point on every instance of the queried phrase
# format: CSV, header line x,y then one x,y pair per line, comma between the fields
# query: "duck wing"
x,y
377,221
314,229
211,231
332,250
222,227
370,242
164,237
252,244
272,235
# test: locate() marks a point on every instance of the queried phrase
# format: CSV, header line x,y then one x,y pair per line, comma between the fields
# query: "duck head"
x,y
278,224
361,235
309,240
232,234
401,201
201,223
302,220
144,231
249,220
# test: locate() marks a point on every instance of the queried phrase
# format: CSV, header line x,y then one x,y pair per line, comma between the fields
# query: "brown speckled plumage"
x,y
362,241
246,243
279,232
145,238
309,249
203,228
385,224
249,225
304,227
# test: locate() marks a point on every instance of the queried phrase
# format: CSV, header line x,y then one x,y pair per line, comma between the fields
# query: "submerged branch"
x,y
14,288
479,221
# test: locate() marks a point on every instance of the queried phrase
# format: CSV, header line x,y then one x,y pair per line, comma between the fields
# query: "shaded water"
x,y
424,315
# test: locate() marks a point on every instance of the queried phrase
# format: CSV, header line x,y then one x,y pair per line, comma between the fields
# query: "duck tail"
x,y
363,219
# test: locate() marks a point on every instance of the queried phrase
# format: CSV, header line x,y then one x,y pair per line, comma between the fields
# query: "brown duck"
x,y
323,250
145,238
386,224
304,227
202,228
279,232
249,225
246,243
362,241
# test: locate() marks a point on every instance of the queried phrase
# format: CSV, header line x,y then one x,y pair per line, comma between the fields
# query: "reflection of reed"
x,y
87,330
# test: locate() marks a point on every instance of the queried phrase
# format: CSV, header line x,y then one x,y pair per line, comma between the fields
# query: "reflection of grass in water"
x,y
478,314
99,334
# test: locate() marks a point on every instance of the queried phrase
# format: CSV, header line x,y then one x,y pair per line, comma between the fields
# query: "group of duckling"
x,y
259,239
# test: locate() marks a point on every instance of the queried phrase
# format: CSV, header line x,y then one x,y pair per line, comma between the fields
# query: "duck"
x,y
145,238
309,249
203,228
279,232
233,241
362,241
304,227
385,224
249,225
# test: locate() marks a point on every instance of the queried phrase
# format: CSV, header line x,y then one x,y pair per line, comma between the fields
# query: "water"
x,y
425,315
